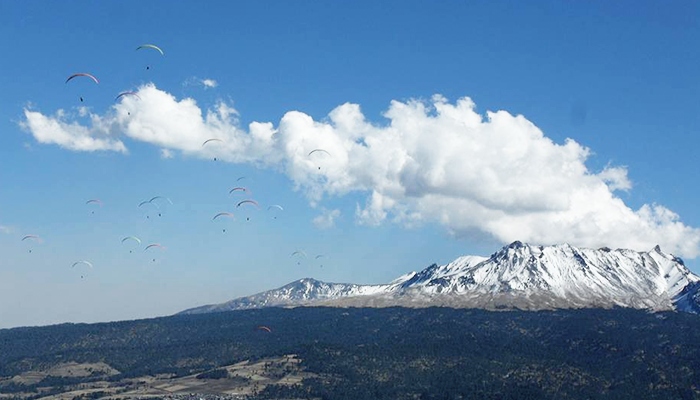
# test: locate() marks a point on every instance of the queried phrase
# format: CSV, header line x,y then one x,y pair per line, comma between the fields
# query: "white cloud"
x,y
71,136
434,161
6,229
616,178
326,219
209,83
166,154
205,83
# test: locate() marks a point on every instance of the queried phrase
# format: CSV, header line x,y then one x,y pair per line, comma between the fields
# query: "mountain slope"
x,y
517,276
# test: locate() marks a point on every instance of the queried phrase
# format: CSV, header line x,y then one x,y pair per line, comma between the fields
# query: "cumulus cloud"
x,y
326,219
432,161
209,83
70,135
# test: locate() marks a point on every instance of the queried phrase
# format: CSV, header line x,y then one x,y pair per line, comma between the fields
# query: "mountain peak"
x,y
516,245
518,275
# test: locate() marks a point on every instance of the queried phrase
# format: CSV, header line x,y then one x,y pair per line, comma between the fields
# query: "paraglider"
x,y
319,256
222,214
299,254
122,94
143,203
88,263
153,246
94,201
133,238
159,198
32,238
253,202
275,207
212,140
318,151
264,328
150,46
82,74
70,78
240,178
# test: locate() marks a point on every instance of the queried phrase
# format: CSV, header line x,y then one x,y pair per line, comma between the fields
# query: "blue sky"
x,y
626,87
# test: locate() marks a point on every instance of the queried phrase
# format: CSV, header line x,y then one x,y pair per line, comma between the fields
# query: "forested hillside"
x,y
392,353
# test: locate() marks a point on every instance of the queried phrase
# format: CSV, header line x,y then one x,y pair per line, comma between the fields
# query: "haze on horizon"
x,y
486,124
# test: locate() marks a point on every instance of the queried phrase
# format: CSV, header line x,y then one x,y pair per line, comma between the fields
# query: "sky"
x,y
448,129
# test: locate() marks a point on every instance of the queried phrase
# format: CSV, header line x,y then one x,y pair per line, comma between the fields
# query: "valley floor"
x,y
243,380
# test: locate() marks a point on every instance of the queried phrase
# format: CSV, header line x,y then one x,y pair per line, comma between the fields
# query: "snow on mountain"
x,y
299,292
517,276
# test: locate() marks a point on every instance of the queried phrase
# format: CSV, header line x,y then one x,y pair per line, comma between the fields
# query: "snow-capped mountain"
x,y
517,276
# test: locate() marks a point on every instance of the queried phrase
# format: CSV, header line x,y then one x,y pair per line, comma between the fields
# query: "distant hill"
x,y
518,276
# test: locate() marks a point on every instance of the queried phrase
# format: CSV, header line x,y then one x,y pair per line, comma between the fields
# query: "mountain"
x,y
517,276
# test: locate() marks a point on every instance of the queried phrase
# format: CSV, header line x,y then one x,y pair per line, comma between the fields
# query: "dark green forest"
x,y
396,353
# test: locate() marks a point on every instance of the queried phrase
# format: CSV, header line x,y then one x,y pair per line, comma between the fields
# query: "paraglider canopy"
x,y
88,263
264,328
122,94
222,214
134,238
151,46
82,74
253,202
318,150
212,140
160,198
238,189
154,245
